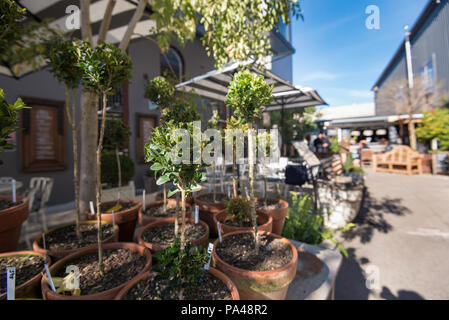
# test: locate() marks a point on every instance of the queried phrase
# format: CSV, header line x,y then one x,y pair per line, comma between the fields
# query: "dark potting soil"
x,y
6,204
125,206
66,239
165,234
158,211
271,205
27,267
120,266
238,251
219,198
209,288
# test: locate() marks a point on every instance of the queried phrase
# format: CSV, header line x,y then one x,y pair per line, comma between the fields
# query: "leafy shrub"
x,y
334,145
239,209
305,225
180,269
349,166
109,173
435,125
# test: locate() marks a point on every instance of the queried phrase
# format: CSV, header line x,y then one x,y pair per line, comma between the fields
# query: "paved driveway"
x,y
401,239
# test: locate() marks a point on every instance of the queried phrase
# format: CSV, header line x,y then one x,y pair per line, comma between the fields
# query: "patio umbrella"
x,y
60,10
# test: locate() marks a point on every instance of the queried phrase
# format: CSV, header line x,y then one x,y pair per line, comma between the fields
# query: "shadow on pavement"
x,y
372,217
402,295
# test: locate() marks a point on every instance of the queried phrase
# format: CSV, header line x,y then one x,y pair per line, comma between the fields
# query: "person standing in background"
x,y
321,143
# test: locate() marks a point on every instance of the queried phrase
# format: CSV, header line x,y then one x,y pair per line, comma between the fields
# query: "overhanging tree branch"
x,y
106,21
132,25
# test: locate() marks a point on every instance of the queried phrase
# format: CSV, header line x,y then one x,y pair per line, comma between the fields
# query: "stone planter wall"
x,y
339,203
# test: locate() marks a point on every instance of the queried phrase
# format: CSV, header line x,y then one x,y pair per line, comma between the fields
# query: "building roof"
x,y
413,32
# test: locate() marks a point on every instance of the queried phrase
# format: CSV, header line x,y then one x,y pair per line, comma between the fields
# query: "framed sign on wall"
x,y
145,126
42,142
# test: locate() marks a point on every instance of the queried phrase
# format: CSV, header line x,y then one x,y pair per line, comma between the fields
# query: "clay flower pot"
x,y
216,273
125,219
48,294
208,210
145,219
31,288
278,215
259,285
58,254
11,220
264,220
156,247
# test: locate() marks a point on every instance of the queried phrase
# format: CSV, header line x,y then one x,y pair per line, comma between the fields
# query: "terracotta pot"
x,y
155,247
48,294
216,273
278,215
58,254
11,220
259,285
144,219
208,210
264,220
125,219
31,288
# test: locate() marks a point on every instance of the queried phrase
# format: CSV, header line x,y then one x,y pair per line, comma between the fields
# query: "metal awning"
x,y
39,10
214,85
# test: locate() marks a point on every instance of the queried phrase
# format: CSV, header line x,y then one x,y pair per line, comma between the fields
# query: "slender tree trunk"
x,y
251,184
177,216
213,185
89,137
99,149
234,181
412,134
183,220
165,198
265,184
119,170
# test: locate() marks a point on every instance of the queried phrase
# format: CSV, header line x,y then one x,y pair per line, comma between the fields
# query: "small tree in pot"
x,y
103,68
247,94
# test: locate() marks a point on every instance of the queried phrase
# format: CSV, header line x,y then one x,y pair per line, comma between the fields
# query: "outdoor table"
x,y
6,187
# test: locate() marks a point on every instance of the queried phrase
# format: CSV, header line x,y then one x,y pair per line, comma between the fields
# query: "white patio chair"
x,y
38,195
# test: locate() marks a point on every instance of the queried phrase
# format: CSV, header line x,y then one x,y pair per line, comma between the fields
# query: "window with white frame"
x,y
427,71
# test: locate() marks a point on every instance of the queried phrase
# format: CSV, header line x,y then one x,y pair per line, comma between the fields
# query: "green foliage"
x,y
248,92
63,57
104,67
160,91
349,166
335,146
109,173
297,122
214,121
239,209
182,110
11,16
115,133
8,119
181,270
435,125
305,225
231,30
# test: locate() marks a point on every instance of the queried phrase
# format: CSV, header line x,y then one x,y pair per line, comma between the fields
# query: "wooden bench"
x,y
332,167
402,159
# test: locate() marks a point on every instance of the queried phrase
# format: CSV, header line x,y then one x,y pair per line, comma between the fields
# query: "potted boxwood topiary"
x,y
237,217
261,264
63,56
13,212
105,268
177,276
276,208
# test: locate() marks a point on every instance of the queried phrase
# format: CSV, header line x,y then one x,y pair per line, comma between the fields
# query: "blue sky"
x,y
337,55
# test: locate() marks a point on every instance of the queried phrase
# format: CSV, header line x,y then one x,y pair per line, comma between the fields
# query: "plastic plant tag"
x,y
229,192
246,192
143,200
10,283
197,214
91,204
219,232
50,280
209,252
13,187
113,221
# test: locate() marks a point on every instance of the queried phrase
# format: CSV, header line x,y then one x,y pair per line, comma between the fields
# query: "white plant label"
x,y
143,200
246,192
13,187
113,221
47,271
219,232
229,192
91,204
197,214
209,252
10,283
